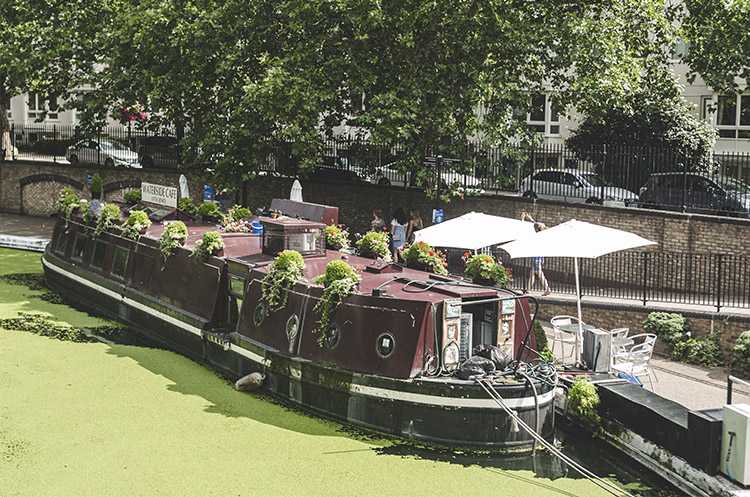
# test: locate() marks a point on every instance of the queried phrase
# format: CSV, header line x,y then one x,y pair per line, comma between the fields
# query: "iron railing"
x,y
717,280
644,176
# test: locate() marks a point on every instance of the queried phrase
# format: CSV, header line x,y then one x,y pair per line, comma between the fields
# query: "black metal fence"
x,y
717,280
625,176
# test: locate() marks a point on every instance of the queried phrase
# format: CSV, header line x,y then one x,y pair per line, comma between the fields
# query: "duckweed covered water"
x,y
97,419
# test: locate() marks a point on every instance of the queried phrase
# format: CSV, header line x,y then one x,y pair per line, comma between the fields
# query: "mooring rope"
x,y
603,484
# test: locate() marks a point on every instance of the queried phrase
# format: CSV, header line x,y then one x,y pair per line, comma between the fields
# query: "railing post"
x,y
718,283
645,276
54,142
729,389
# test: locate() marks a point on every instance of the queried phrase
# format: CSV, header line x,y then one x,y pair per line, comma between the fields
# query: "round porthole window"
x,y
384,345
259,314
292,327
332,336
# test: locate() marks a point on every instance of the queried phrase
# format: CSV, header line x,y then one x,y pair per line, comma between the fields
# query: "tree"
x,y
719,43
267,78
47,47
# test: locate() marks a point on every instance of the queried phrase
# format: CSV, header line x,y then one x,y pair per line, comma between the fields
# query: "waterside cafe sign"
x,y
159,194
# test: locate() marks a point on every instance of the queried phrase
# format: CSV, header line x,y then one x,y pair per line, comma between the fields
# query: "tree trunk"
x,y
5,142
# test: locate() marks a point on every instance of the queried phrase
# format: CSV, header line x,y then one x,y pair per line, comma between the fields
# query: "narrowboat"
x,y
387,362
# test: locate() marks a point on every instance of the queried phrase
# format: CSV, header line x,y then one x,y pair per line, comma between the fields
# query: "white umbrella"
x,y
575,239
474,231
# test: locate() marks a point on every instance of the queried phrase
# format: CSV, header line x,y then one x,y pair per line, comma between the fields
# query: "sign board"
x,y
159,194
437,216
208,193
89,179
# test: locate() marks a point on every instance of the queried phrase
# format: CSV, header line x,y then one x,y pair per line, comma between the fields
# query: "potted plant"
x,y
284,271
421,256
95,186
136,224
209,211
275,213
90,211
108,216
339,281
337,238
374,245
234,220
132,197
67,202
174,235
187,205
210,244
485,270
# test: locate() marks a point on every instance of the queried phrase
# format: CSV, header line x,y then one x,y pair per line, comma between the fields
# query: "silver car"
x,y
572,185
108,152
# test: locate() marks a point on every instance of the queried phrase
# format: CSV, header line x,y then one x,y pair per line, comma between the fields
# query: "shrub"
x,y
583,400
208,209
132,197
170,238
135,223
209,244
95,186
107,216
238,213
375,243
284,271
340,281
187,205
741,352
671,328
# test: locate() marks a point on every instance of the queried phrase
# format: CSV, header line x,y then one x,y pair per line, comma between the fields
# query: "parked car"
x,y
160,151
572,185
107,152
694,192
321,173
394,174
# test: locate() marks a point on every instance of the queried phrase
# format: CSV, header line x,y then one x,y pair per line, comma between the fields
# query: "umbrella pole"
x,y
580,320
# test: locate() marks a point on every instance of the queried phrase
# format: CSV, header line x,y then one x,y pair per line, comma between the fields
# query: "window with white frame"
x,y
733,116
543,117
37,105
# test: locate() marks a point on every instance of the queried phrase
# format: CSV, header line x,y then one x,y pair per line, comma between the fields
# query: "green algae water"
x,y
87,418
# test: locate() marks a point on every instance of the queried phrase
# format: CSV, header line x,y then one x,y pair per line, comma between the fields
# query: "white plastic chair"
x,y
635,360
564,337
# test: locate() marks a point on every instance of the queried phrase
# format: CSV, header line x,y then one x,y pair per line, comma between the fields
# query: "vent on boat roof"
x,y
383,267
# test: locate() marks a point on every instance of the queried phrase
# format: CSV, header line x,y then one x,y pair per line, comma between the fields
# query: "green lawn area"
x,y
92,419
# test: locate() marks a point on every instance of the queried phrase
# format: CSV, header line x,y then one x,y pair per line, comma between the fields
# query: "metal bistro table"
x,y
575,329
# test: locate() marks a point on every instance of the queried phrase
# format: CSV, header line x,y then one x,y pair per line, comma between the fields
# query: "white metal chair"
x,y
634,361
615,347
562,337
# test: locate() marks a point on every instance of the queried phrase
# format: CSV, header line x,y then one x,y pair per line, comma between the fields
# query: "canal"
x,y
95,418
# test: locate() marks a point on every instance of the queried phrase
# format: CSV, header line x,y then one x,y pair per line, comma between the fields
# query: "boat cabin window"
x,y
120,262
385,345
100,250
236,292
62,242
79,248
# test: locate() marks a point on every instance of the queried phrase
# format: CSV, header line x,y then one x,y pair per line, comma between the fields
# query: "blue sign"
x,y
437,216
90,176
208,193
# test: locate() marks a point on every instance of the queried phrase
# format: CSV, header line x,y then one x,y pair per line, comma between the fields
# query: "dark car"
x,y
320,173
160,151
694,192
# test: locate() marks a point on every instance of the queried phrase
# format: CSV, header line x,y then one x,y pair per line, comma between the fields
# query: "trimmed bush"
x,y
741,352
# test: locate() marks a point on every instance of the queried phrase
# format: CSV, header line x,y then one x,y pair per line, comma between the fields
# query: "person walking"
x,y
398,231
536,262
415,224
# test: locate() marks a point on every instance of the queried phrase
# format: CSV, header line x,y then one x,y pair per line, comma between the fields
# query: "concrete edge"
x,y
23,243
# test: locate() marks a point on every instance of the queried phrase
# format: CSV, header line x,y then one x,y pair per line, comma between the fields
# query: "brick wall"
x,y
31,188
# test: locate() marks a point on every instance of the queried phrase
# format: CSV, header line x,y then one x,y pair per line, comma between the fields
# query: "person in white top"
x,y
398,231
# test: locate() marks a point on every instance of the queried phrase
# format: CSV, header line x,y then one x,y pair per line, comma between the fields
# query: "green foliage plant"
x,y
339,281
487,267
208,209
135,223
671,328
209,244
171,238
107,216
238,213
95,186
542,345
187,205
67,202
741,352
337,238
375,243
132,197
420,252
284,271
583,400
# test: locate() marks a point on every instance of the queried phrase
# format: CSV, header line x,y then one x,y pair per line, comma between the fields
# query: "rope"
x,y
603,484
